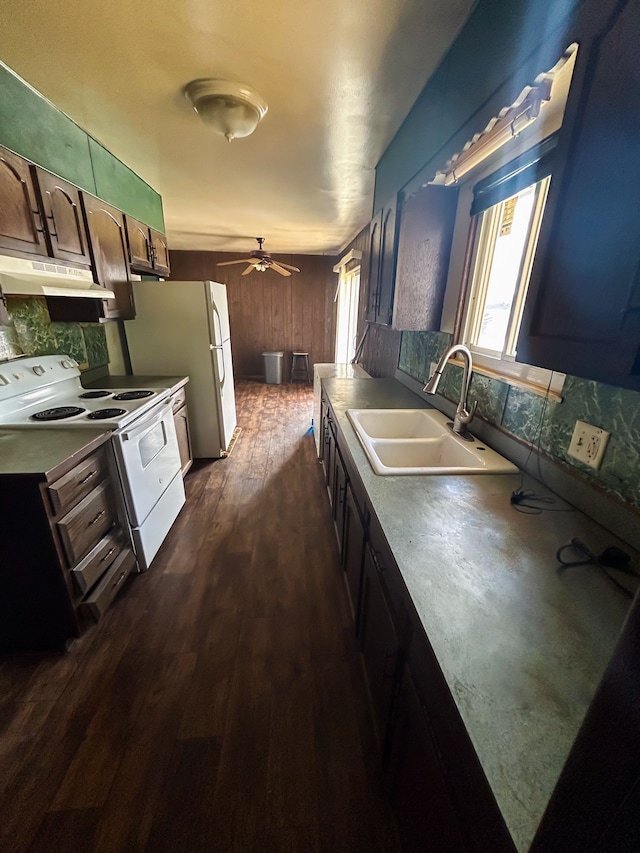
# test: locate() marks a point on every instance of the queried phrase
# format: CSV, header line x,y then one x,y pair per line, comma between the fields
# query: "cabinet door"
x,y
184,441
110,257
139,245
387,276
64,220
425,233
340,486
416,780
373,265
353,552
160,252
379,645
21,227
582,314
328,453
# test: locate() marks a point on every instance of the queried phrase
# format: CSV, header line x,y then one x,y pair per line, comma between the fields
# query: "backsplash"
x,y
32,332
522,413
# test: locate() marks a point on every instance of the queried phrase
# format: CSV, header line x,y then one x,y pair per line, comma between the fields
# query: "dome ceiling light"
x,y
231,109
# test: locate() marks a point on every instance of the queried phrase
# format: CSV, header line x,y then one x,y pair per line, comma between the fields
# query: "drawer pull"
x,y
376,561
88,477
121,577
98,517
108,554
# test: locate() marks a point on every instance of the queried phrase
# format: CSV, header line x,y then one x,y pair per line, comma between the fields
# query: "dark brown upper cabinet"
x,y
22,230
110,256
424,248
110,265
161,265
148,251
373,267
66,232
388,254
582,314
383,241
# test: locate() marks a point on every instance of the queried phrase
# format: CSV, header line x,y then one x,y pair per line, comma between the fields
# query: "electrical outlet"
x,y
432,368
588,444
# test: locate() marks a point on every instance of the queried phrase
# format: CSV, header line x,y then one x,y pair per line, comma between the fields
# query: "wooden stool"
x,y
300,367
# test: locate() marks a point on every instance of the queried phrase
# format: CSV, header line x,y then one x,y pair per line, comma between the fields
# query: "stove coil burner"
x,y
94,395
133,395
57,414
103,414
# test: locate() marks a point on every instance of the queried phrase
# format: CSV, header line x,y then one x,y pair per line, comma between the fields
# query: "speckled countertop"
x,y
521,645
41,451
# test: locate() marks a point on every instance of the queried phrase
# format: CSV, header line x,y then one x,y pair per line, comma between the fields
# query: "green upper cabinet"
x,y
118,185
32,127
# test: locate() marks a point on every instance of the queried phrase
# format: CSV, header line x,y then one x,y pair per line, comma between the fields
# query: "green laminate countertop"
x,y
38,452
152,382
521,645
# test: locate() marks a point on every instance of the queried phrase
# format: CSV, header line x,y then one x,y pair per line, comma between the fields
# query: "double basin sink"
x,y
421,441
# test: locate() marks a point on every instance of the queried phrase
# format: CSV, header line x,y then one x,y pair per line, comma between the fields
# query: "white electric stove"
x,y
45,392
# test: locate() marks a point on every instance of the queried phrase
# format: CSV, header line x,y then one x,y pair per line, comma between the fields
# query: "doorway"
x,y
347,315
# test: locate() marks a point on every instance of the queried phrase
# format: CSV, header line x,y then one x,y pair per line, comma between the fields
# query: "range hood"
x,y
20,277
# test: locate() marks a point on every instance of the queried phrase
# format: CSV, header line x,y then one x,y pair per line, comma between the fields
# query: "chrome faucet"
x,y
463,416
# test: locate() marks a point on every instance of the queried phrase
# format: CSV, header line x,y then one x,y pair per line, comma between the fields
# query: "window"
x,y
507,236
503,183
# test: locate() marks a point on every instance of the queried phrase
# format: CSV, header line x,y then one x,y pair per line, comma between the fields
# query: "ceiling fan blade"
x,y
228,263
249,269
278,268
289,267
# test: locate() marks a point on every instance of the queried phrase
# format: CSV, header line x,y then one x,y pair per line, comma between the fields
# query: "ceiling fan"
x,y
261,261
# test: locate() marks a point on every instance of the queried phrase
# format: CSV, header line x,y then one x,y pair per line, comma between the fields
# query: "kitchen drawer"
x,y
68,490
179,399
97,561
85,525
97,602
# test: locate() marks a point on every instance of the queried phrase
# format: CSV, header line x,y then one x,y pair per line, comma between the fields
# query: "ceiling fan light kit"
x,y
260,261
231,109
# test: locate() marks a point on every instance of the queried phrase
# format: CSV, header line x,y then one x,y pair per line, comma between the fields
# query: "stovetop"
x,y
46,391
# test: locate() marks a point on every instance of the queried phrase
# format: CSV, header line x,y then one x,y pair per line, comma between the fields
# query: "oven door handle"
x,y
139,429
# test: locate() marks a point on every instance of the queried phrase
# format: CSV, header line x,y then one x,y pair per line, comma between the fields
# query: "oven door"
x,y
148,459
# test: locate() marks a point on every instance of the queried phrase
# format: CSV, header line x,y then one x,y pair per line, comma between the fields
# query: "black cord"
x,y
610,558
527,501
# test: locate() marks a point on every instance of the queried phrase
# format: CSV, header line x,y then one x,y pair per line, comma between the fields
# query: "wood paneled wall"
x,y
268,311
381,349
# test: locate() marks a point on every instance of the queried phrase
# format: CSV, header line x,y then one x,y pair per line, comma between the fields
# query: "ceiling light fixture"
x,y
232,109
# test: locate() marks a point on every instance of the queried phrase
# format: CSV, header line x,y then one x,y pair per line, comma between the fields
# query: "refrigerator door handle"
x,y
216,316
213,347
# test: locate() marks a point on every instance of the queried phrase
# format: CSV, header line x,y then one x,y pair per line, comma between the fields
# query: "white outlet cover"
x,y
588,444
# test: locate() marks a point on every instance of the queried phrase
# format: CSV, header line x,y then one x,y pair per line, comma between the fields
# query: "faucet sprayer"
x,y
463,417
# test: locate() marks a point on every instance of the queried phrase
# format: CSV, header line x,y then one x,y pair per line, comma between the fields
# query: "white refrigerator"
x,y
182,328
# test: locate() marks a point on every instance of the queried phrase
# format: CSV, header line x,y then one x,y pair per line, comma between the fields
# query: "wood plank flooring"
x,y
220,705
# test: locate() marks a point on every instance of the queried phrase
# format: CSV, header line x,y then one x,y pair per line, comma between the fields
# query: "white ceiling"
x,y
339,77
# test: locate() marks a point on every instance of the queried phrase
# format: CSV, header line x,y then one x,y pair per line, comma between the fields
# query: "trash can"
x,y
273,367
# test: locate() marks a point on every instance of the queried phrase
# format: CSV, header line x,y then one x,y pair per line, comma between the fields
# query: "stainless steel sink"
x,y
419,441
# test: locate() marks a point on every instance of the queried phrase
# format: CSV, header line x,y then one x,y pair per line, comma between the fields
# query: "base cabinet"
x,y
353,552
64,567
430,770
379,646
416,781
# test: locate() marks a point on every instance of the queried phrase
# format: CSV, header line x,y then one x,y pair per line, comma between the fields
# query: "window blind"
x,y
527,169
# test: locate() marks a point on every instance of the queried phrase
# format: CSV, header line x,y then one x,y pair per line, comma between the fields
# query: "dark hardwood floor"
x,y
220,705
